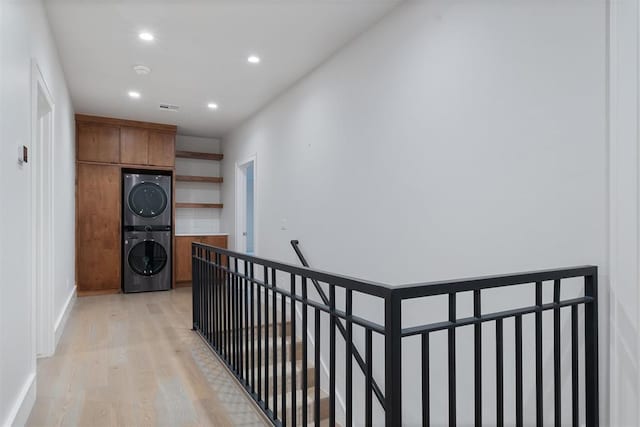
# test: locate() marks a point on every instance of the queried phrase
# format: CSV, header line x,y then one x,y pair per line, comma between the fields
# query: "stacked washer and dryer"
x,y
147,231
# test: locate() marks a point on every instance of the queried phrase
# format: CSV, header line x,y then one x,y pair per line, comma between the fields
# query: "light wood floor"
x,y
133,360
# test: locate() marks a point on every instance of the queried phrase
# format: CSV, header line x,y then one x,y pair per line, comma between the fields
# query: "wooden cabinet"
x,y
218,241
182,253
162,149
125,142
98,143
106,146
134,146
147,148
98,227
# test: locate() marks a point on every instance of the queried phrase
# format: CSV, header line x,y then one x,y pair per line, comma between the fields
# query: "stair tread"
x,y
310,397
299,370
270,326
262,343
324,404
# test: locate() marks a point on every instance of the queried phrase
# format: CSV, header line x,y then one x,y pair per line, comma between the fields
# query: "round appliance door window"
x,y
147,258
147,200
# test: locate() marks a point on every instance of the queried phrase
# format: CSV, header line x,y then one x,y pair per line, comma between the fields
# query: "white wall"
x,y
194,221
624,213
453,139
25,35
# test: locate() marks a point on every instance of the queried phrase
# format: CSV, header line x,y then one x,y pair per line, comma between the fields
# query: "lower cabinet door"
x,y
183,253
98,228
183,258
217,241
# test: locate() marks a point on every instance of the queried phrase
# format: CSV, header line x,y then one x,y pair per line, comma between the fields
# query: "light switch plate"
x,y
23,154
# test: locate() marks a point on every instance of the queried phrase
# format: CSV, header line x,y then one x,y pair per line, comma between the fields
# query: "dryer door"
x,y
147,258
147,200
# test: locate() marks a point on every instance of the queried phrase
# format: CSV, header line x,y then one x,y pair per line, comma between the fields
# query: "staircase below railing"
x,y
341,328
247,309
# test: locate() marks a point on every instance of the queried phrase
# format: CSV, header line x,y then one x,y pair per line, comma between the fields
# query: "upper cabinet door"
x,y
162,149
98,143
134,145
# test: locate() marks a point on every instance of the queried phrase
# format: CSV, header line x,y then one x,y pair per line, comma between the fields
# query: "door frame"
x,y
42,254
240,208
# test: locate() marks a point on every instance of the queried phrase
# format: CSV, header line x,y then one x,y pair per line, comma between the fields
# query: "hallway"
x,y
133,360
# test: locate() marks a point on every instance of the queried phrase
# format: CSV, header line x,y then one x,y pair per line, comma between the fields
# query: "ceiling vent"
x,y
169,107
142,70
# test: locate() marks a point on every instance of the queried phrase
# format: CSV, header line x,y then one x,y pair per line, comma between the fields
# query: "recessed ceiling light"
x,y
133,94
146,36
212,105
253,59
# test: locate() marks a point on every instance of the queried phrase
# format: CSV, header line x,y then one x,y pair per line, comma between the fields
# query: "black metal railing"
x,y
346,335
247,308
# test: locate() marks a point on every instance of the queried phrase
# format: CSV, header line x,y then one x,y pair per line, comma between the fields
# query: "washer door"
x,y
147,200
147,258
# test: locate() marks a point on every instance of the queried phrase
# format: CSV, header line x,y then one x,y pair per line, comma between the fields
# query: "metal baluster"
x,y
226,313
368,389
316,391
575,390
591,350
266,336
499,375
283,359
222,290
241,329
210,296
259,333
293,351
426,417
219,311
216,326
204,327
557,385
452,361
246,324
200,290
305,339
236,316
348,361
194,290
252,325
393,359
519,419
477,330
229,290
274,336
332,355
539,385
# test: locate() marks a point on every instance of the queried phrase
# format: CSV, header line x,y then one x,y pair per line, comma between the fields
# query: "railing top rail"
x,y
359,285
418,290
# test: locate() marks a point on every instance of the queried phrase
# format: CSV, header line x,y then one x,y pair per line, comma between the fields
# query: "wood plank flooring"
x,y
131,360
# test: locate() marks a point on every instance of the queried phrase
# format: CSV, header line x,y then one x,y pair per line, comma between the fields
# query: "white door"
x,y
245,207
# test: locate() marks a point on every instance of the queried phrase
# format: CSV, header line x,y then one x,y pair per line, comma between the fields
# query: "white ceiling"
x,y
199,54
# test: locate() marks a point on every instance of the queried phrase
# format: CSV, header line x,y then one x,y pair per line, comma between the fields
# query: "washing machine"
x,y
147,200
147,261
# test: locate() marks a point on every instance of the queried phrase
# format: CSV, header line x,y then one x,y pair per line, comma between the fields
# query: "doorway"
x,y
41,159
246,206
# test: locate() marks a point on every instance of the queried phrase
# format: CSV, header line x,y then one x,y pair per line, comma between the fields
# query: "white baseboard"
x,y
62,319
20,412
